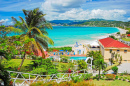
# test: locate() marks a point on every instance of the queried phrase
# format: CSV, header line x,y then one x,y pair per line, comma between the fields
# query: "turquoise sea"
x,y
68,35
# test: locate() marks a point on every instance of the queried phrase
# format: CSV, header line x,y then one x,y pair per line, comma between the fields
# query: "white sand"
x,y
122,31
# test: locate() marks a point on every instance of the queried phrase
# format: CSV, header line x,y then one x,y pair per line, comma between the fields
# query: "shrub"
x,y
76,79
39,71
128,32
86,76
121,74
110,67
129,79
96,77
116,77
118,32
110,76
115,69
82,64
52,71
124,79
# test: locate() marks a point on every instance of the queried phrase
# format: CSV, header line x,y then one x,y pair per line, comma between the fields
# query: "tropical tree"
x,y
99,64
94,54
34,32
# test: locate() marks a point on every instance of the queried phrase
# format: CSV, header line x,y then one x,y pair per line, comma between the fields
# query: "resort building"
x,y
108,45
82,49
79,49
94,46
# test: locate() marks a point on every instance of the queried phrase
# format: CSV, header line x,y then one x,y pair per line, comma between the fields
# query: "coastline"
x,y
122,31
84,42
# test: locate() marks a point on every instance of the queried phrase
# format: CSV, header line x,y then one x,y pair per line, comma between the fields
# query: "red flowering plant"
x,y
69,70
18,68
110,76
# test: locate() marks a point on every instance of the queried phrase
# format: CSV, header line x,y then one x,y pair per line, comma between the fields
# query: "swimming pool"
x,y
72,57
78,58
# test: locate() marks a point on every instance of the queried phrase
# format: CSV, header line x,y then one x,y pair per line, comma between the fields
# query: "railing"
x,y
59,77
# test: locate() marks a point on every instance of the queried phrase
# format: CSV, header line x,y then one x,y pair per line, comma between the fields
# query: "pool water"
x,y
78,58
74,58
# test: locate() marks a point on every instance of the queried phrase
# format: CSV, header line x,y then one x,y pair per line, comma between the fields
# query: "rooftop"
x,y
109,42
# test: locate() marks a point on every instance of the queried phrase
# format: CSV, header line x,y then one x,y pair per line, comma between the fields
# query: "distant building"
x,y
108,45
79,49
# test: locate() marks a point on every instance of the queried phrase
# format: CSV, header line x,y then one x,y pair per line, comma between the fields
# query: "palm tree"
x,y
33,27
100,64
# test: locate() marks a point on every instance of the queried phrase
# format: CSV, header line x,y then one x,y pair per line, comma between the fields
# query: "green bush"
x,y
39,71
121,74
110,76
116,77
86,76
110,67
52,71
115,69
124,79
61,48
82,64
128,32
118,32
76,79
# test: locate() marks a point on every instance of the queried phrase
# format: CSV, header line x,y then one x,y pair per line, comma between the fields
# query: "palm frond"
x,y
46,38
14,19
13,29
24,11
42,42
23,22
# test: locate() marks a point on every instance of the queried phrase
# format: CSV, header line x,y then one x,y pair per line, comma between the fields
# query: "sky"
x,y
118,10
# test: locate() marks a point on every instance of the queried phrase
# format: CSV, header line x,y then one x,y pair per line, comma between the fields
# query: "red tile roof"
x,y
109,42
128,35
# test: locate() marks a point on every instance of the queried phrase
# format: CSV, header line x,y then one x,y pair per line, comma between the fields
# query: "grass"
x,y
111,83
18,61
126,39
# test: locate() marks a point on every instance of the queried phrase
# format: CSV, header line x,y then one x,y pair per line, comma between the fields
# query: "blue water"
x,y
74,58
78,58
68,35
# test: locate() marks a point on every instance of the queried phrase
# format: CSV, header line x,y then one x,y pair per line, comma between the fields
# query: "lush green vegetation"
x,y
61,48
110,67
126,39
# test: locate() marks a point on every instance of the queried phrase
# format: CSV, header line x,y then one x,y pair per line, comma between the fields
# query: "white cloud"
x,y
4,20
128,18
80,14
61,5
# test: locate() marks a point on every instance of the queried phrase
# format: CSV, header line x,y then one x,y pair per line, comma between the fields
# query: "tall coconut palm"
x,y
33,27
99,64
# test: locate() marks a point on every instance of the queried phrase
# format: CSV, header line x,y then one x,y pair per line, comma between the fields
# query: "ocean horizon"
x,y
69,35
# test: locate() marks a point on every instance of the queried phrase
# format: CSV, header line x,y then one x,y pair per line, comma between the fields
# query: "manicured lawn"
x,y
111,83
126,39
16,63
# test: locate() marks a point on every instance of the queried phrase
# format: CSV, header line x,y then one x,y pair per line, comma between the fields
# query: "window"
x,y
118,50
110,50
125,51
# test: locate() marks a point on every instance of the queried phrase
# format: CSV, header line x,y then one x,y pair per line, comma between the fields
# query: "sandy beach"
x,y
122,31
